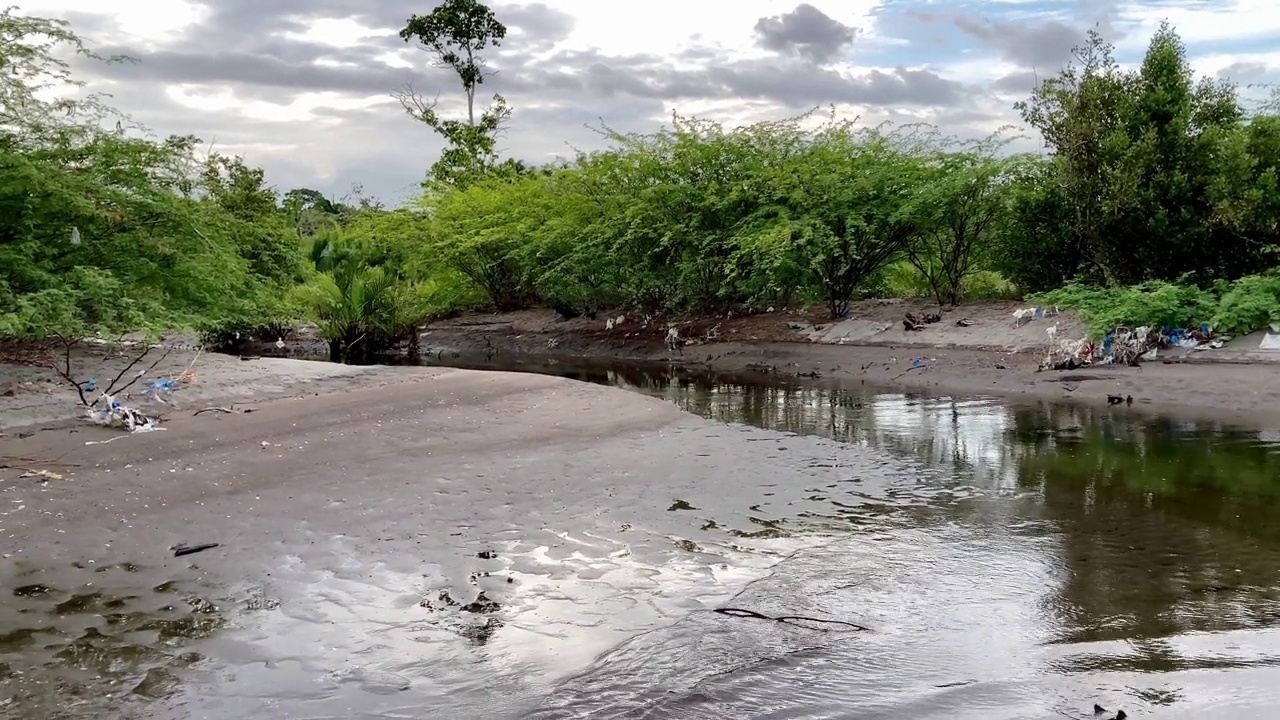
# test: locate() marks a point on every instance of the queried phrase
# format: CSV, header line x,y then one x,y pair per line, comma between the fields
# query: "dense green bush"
x,y
1243,306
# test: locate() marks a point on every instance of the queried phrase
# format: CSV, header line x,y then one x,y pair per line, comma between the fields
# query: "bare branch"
x,y
414,103
112,390
65,372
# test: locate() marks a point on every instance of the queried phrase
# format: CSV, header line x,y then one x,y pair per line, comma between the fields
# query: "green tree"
x,y
962,204
455,32
1079,114
483,232
1175,128
104,231
850,201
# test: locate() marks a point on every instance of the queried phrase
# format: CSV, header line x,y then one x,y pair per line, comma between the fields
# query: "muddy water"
x,y
1005,562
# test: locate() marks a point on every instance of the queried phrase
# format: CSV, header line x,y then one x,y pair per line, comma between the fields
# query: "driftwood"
x,y
742,613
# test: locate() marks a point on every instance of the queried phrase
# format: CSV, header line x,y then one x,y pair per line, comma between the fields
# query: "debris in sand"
x,y
1023,315
42,474
180,550
118,415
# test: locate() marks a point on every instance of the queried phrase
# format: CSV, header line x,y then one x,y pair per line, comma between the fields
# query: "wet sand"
x,y
363,533
357,481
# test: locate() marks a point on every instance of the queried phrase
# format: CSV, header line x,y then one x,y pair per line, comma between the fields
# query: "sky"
x,y
303,88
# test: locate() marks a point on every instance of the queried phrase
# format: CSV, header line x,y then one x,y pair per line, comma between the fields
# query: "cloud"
x,y
1244,71
303,87
1038,45
807,32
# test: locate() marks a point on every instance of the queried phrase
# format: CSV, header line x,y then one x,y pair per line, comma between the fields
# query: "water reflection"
x,y
1166,526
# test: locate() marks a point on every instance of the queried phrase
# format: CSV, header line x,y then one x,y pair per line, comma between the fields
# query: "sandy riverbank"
x,y
991,357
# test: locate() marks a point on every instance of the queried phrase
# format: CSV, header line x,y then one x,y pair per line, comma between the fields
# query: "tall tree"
x,y
1079,114
455,32
1175,128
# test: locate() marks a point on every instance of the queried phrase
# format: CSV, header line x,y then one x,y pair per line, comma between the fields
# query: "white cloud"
x,y
1202,22
307,132
337,32
138,20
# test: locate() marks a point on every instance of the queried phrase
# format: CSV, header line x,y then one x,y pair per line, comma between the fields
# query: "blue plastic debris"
x,y
89,385
158,385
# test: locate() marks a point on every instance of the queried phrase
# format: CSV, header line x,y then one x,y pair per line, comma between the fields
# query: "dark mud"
x,y
531,547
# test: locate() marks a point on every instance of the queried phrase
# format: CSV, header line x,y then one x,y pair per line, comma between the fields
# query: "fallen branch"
x,y
229,411
742,613
5,463
913,367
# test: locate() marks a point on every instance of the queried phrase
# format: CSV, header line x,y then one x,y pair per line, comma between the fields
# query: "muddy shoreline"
x,y
1231,385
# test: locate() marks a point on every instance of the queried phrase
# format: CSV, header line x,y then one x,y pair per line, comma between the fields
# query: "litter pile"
x,y
114,414
1125,346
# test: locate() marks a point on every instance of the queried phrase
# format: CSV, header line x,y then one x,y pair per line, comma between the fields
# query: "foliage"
x,y
1156,303
1153,167
362,304
1243,306
1248,304
963,204
103,231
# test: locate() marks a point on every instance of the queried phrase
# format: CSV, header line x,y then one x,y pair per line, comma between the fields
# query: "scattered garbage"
x,y
1024,315
638,321
159,390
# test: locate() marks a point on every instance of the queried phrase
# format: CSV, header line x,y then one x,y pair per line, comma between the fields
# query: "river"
x,y
934,558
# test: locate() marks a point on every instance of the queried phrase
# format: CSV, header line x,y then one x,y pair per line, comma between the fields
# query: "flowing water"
x,y
934,558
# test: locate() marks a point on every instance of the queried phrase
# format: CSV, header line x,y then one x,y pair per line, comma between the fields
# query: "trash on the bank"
x,y
674,341
42,474
117,415
180,550
159,390
1022,315
1269,342
89,385
965,322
